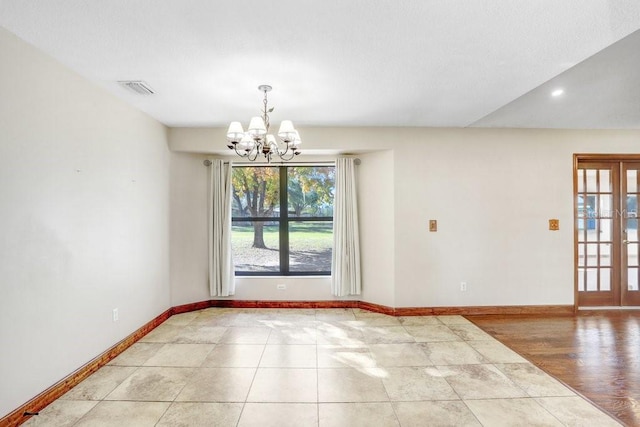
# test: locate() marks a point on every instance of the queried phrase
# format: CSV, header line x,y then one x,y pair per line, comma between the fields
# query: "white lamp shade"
x,y
271,140
257,127
246,143
295,141
235,132
287,131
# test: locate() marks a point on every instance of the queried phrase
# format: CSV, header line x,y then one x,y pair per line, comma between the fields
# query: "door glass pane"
x,y
593,234
632,181
580,179
631,208
592,279
605,230
581,279
605,254
581,260
605,206
632,230
590,206
588,210
605,279
592,254
591,180
632,254
582,213
605,180
632,279
582,235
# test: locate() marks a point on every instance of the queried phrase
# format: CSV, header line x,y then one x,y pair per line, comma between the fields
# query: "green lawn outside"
x,y
310,247
302,236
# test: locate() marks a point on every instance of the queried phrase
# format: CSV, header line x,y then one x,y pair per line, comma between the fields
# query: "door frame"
x,y
589,157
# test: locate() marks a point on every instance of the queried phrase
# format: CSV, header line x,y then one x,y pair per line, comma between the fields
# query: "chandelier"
x,y
257,140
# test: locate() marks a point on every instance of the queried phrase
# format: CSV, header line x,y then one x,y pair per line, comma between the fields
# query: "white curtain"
x,y
345,265
221,270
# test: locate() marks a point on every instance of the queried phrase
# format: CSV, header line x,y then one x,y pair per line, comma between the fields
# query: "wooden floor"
x,y
597,353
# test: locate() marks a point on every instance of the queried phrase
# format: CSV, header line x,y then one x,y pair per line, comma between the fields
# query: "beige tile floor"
x,y
266,367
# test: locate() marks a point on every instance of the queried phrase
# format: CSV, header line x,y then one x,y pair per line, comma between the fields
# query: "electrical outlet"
x,y
433,225
115,315
554,224
281,287
463,286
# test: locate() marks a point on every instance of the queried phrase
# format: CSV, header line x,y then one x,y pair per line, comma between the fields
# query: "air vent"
x,y
137,86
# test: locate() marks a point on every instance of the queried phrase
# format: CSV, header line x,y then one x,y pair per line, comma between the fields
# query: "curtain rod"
x,y
207,162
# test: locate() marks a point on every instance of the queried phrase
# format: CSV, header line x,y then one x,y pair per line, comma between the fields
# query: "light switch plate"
x,y
433,225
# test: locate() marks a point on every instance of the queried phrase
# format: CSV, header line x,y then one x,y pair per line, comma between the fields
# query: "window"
x,y
282,220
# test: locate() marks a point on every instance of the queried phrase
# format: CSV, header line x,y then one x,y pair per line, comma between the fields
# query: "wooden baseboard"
x,y
36,404
283,304
475,310
39,402
377,308
194,306
391,311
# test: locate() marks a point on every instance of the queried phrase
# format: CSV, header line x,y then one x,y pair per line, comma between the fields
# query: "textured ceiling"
x,y
453,63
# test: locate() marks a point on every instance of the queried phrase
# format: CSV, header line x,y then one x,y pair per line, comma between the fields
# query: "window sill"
x,y
328,276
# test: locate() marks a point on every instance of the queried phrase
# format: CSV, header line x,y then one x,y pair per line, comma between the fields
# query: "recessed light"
x,y
557,92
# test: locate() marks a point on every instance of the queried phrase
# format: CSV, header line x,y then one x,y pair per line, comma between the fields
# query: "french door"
x,y
606,227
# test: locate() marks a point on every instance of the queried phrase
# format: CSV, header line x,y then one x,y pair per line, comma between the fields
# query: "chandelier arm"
x,y
286,150
286,159
283,155
253,154
235,148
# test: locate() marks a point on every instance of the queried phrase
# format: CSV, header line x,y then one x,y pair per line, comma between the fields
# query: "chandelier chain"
x,y
265,111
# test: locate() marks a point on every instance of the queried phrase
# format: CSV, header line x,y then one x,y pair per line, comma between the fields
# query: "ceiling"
x,y
439,63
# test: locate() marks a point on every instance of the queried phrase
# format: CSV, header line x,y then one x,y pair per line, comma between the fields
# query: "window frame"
x,y
283,220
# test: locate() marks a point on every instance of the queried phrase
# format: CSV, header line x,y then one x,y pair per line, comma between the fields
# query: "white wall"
x,y
84,217
376,205
189,266
492,192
